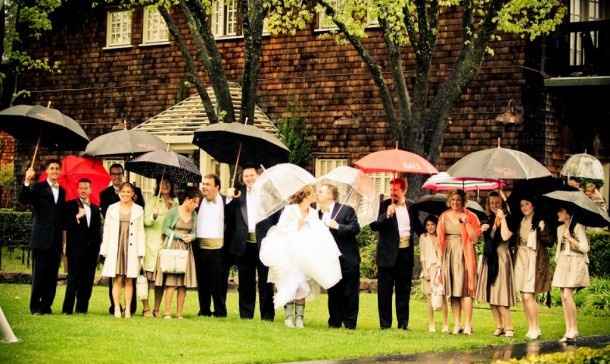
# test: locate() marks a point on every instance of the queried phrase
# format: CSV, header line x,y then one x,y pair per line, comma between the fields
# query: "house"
x,y
121,65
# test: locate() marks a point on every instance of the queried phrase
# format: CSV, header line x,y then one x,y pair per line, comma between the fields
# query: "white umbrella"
x,y
356,189
444,182
583,165
275,185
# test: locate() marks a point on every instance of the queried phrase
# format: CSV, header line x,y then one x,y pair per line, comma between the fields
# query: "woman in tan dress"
x,y
458,230
180,224
572,270
496,277
430,257
532,272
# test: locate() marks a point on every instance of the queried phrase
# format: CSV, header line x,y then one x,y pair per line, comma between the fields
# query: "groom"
x,y
343,298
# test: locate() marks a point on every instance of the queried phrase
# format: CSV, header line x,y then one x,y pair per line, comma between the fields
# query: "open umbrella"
x,y
124,144
73,168
583,165
585,210
356,189
395,160
437,204
444,182
43,126
276,184
165,164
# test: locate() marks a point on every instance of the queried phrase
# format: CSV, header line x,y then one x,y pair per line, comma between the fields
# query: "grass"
x,y
100,338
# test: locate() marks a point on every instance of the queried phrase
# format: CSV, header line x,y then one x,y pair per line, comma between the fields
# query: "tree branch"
x,y
253,15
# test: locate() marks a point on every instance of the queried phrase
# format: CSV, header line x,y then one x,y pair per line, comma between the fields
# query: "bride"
x,y
299,250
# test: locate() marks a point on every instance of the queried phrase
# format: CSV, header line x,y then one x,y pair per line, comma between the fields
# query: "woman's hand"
x,y
484,228
541,225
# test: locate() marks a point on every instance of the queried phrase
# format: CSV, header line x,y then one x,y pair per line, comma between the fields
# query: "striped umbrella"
x,y
444,182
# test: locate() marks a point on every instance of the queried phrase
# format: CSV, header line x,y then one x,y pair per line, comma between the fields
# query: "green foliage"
x,y
367,241
15,226
577,356
294,135
593,300
599,255
7,176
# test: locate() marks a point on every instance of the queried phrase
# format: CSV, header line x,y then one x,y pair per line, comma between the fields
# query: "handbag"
x,y
142,287
437,290
172,260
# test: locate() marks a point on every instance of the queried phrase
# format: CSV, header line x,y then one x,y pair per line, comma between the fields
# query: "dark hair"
x,y
171,187
116,165
333,189
84,180
536,216
52,161
215,178
191,193
400,182
494,194
249,166
431,218
573,218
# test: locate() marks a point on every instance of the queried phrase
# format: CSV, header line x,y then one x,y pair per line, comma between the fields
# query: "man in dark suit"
x,y
107,197
83,236
343,298
244,247
47,199
394,256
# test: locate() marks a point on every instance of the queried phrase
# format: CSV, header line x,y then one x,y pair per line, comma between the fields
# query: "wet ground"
x,y
483,355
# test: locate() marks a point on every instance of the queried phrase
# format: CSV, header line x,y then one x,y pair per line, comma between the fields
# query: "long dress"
x,y
122,255
187,279
154,231
572,269
525,264
295,256
454,266
430,260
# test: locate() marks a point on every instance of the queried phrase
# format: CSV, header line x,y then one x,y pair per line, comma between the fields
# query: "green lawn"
x,y
98,337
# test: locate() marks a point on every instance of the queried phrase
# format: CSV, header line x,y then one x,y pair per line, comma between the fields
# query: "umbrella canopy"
x,y
122,143
437,204
444,182
55,129
276,184
224,141
356,189
583,166
498,163
164,164
73,168
585,210
395,160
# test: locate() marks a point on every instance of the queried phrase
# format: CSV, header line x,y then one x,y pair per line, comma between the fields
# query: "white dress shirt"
x,y
251,202
54,189
87,207
210,220
404,221
327,215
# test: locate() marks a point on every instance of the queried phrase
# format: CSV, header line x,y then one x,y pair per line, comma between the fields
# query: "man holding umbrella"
x,y
47,199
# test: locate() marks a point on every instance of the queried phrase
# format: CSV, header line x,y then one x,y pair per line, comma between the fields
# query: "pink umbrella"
x,y
444,182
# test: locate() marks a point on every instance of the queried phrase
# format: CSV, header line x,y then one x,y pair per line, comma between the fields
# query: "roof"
x,y
187,116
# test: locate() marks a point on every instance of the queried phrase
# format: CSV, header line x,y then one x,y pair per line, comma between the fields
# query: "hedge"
x,y
15,226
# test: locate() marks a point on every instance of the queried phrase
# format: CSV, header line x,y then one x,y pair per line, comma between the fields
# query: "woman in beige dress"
x,y
532,271
572,270
154,214
180,225
458,230
496,277
123,246
430,258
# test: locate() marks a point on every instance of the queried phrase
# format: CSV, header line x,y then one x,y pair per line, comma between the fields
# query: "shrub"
x,y
367,241
293,134
599,255
15,226
578,356
593,300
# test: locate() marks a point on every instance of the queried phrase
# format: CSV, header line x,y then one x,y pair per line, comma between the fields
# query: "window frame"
x,y
146,16
238,33
109,44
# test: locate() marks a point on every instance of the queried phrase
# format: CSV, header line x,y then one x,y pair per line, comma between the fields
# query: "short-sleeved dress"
x,y
502,291
572,269
187,279
122,251
454,266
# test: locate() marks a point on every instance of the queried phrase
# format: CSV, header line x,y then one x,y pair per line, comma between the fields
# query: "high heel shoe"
x,y
457,330
117,313
468,331
499,332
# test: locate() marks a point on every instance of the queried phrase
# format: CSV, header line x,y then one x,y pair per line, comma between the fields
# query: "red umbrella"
x,y
74,168
397,161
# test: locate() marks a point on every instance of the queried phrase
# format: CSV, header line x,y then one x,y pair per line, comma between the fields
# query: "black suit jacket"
x,y
239,222
345,236
82,238
108,197
389,238
47,216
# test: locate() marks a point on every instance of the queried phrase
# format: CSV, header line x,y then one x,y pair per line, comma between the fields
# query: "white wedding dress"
x,y
295,255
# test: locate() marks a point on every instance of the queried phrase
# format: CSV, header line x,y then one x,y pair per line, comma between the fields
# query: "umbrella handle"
x,y
236,165
351,191
35,152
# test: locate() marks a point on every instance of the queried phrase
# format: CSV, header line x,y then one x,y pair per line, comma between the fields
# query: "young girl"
x,y
572,269
430,257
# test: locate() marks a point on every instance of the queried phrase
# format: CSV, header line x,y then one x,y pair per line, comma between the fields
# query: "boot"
x,y
289,313
300,314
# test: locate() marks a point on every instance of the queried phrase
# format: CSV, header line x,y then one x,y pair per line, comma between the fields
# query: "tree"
x,y
22,21
418,117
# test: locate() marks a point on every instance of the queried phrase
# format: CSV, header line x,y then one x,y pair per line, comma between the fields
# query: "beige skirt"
x,y
454,268
525,270
188,279
502,292
572,271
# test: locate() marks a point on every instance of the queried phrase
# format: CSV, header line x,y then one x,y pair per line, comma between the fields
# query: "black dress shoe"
x,y
403,327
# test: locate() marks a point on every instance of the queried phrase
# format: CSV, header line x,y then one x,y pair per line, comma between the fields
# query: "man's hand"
x,y
29,175
332,224
81,213
187,238
232,192
541,225
391,210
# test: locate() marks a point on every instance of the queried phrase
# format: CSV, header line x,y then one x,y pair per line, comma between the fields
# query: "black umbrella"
x,y
162,164
584,209
43,126
124,144
437,204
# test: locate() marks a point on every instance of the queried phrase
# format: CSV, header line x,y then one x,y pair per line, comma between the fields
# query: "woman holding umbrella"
x,y
458,230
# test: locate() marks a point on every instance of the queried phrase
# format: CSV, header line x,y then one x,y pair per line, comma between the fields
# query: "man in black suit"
x,y
244,248
83,236
343,298
107,197
47,199
394,256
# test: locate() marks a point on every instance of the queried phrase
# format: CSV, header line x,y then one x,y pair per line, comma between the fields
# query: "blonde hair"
x,y
298,197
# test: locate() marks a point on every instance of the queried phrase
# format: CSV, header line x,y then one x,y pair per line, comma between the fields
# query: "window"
x,y
118,28
323,166
382,182
580,11
326,23
155,29
224,18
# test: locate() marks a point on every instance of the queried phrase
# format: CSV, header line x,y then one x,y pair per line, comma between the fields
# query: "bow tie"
x,y
85,203
325,211
211,202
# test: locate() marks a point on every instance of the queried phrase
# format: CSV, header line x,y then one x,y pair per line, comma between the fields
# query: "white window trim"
x,y
145,25
223,18
333,28
320,170
109,30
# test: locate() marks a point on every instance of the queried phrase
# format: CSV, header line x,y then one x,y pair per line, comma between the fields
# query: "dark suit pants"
x,y
343,300
248,265
211,281
45,267
396,278
81,273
